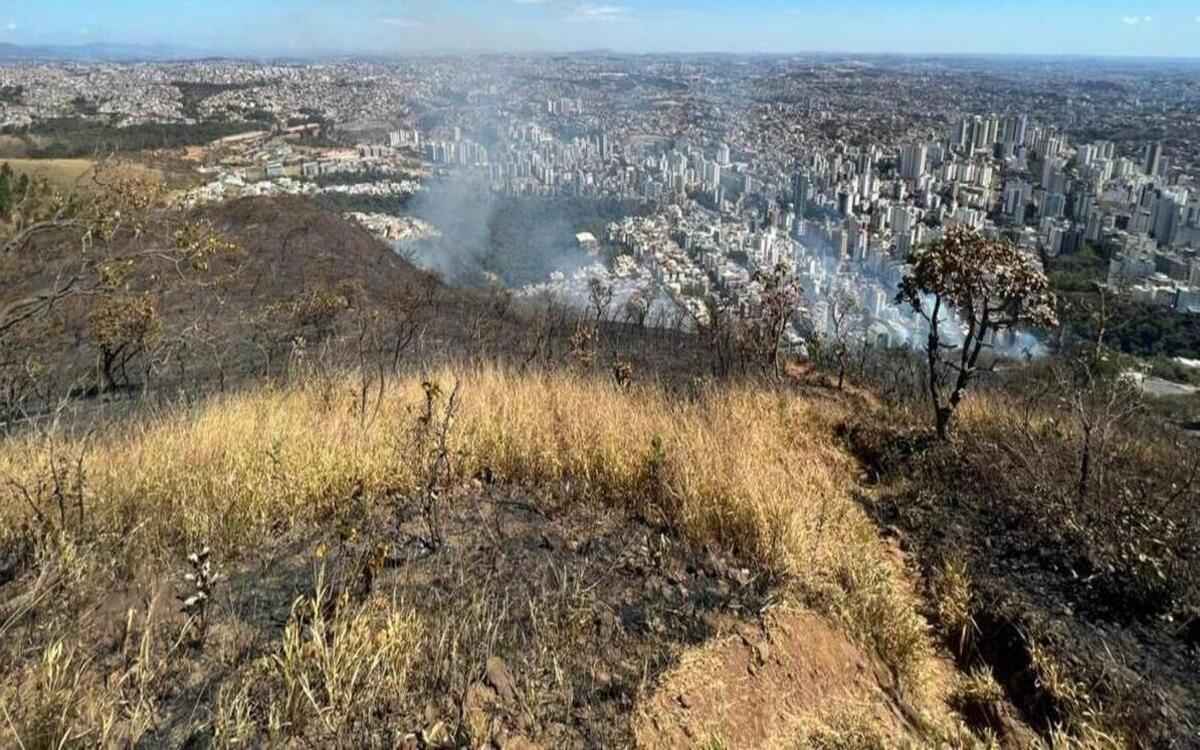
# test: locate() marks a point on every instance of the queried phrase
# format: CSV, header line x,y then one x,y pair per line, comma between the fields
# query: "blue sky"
x,y
1104,27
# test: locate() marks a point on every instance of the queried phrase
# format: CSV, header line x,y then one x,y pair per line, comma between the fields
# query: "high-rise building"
x,y
802,190
846,203
912,161
960,135
1152,159
1050,168
991,131
978,138
1165,218
1054,205
1015,128
1016,197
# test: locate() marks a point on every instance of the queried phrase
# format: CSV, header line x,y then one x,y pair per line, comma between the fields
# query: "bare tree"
x,y
720,328
1100,393
846,331
768,320
408,311
750,331
600,297
983,286
637,308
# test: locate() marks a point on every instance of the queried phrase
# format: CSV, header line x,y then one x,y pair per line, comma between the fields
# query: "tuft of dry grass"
x,y
754,472
338,665
950,594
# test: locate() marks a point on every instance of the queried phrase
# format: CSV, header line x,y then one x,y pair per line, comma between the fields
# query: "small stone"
x,y
477,705
684,700
431,713
761,653
501,679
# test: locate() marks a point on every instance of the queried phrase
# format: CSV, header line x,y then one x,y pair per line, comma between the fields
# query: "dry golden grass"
x,y
75,174
755,472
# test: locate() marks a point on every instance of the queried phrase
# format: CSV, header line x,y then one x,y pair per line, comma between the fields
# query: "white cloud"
x,y
402,23
1135,20
10,26
601,13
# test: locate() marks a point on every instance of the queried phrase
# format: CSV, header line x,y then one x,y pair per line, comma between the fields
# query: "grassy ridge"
x,y
757,473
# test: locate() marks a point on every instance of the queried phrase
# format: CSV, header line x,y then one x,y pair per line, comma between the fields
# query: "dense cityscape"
x,y
839,167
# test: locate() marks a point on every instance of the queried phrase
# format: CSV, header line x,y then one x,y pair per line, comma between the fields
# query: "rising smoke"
x,y
485,236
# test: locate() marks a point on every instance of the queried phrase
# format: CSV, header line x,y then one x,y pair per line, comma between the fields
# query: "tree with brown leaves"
x,y
983,286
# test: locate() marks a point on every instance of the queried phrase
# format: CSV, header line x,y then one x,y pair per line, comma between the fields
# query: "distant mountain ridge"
x,y
96,51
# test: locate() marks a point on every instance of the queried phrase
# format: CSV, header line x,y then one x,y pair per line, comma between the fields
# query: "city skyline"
x,y
1158,29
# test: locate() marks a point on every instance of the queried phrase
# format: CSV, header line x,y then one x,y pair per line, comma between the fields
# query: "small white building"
x,y
587,242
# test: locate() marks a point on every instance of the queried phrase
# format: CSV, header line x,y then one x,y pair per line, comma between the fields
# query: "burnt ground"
x,y
544,622
237,327
1048,615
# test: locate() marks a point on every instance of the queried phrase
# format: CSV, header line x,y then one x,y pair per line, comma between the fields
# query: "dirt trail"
x,y
762,685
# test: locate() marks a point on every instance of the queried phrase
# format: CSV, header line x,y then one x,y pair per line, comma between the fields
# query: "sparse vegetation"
x,y
83,137
1090,516
279,463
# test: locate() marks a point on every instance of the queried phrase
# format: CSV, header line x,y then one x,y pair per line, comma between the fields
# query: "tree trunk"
x,y
943,415
1085,464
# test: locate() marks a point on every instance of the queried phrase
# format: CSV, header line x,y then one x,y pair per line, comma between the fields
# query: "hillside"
x,y
286,276
430,568
323,499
